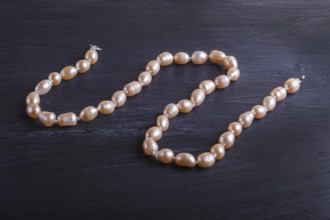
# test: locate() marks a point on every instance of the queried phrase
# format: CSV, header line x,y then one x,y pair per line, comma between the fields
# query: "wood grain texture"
x,y
279,168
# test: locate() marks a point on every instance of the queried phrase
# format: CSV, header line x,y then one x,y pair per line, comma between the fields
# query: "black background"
x,y
278,168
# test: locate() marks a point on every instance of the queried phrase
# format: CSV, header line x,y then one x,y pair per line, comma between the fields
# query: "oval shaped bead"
x,y
199,57
88,114
83,66
32,98
230,62
165,58
185,160
106,107
227,139
154,133
197,97
145,78
279,93
235,127
246,119
259,111
217,56
222,81
55,78
163,122
153,67
205,160
119,98
292,85
181,58
171,110
33,110
43,87
233,73
165,155
208,86
47,118
132,88
218,150
68,72
269,102
185,106
92,56
67,119
150,147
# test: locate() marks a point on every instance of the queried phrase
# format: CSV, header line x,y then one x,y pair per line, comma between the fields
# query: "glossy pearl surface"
x,y
222,81
208,86
269,102
132,88
181,58
292,85
145,78
235,127
150,147
185,160
227,139
218,150
47,118
154,133
33,110
165,155
88,114
32,98
171,110
233,73
246,119
163,122
197,97
259,111
205,160
230,62
185,106
217,56
92,56
68,72
67,119
83,66
153,67
55,78
106,107
279,93
119,98
43,87
199,57
165,59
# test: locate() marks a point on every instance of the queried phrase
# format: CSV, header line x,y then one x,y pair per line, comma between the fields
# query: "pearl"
x,y
185,106
218,150
207,86
119,98
292,85
55,78
68,72
106,107
47,118
269,102
88,114
154,133
259,111
246,119
83,66
165,59
171,110
233,73
230,62
132,88
165,155
205,160
32,98
67,119
33,110
185,160
145,78
279,93
217,56
92,56
181,58
222,81
150,147
197,97
227,139
235,127
153,67
163,122
199,57
43,87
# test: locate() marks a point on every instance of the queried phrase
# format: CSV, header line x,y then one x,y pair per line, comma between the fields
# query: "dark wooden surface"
x,y
279,168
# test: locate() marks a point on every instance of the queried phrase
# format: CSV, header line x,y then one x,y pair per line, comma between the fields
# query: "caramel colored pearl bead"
x,y
43,87
246,119
199,57
88,114
222,81
233,73
205,160
154,133
207,86
185,160
217,56
197,97
227,139
235,127
55,78
163,122
68,72
165,155
132,88
292,85
230,62
33,110
259,111
218,150
92,56
83,66
165,59
119,98
106,107
153,67
279,93
150,147
269,102
145,78
171,110
32,98
67,119
181,58
47,118
185,106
